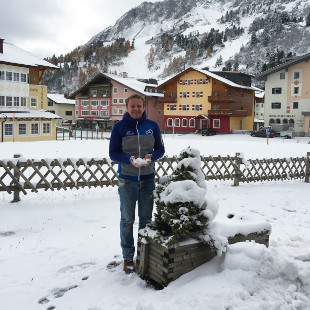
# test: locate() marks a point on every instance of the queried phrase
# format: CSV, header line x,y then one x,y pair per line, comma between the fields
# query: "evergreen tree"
x,y
180,199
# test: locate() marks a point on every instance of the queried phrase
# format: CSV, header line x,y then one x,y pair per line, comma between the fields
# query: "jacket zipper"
x,y
138,147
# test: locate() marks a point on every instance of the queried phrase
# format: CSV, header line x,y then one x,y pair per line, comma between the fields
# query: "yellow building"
x,y
194,99
23,99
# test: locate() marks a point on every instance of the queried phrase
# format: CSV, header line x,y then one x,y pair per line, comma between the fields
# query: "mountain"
x,y
157,40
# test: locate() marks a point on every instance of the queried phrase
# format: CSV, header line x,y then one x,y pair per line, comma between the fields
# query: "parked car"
x,y
262,132
66,122
208,132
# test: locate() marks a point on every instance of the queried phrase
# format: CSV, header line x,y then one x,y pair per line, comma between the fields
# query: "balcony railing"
x,y
229,112
167,99
222,99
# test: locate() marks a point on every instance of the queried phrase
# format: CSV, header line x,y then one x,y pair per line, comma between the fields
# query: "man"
x,y
135,144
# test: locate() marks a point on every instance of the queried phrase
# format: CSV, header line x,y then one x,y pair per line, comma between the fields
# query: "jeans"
x,y
131,191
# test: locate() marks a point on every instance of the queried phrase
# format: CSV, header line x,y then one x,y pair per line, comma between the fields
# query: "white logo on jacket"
x,y
149,132
130,133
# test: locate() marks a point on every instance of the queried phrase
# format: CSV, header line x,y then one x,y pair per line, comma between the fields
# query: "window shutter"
x,y
195,81
201,107
180,94
168,107
185,82
187,108
180,108
200,81
181,82
193,94
187,94
201,94
193,107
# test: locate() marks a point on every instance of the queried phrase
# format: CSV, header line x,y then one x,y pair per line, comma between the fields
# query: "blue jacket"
x,y
135,137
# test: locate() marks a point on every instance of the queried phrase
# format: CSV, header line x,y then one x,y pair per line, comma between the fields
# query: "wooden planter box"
x,y
163,265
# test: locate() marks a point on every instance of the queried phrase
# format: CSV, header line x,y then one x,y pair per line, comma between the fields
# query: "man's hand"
x,y
139,162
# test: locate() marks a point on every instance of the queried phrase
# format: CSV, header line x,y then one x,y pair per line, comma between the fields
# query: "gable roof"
x,y
60,99
212,75
15,55
283,66
131,83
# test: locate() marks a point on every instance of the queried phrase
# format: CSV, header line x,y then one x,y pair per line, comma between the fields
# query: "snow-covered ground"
x,y
55,246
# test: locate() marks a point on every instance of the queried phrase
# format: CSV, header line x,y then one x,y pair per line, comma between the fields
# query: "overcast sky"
x,y
47,27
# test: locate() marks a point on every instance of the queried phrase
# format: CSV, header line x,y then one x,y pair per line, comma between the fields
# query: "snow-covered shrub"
x,y
181,202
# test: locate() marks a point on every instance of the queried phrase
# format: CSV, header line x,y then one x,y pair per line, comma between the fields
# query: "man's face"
x,y
135,108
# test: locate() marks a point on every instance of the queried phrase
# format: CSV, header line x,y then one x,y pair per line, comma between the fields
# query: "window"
x,y
94,92
94,113
177,122
94,103
85,103
85,113
104,113
9,101
9,76
2,101
169,122
277,90
121,101
115,101
190,82
22,129
197,94
50,103
125,90
120,111
47,128
192,122
282,75
114,111
2,75
16,101
184,122
104,103
77,103
295,105
291,122
296,90
183,107
105,92
171,107
115,90
69,113
8,130
77,113
184,94
296,75
34,129
276,105
23,77
33,102
216,123
159,112
197,107
16,77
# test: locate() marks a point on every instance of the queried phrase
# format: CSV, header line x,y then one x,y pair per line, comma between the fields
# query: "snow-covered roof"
x,y
31,114
215,76
259,94
15,55
60,99
128,82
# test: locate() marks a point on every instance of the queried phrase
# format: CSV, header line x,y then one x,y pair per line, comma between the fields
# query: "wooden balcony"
x,y
229,112
167,99
222,99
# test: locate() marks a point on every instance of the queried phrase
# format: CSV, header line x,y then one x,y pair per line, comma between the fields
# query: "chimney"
x,y
1,46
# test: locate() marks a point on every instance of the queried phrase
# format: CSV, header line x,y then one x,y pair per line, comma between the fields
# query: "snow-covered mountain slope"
x,y
167,36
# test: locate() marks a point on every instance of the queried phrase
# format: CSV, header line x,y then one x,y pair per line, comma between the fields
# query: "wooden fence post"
x,y
16,197
237,170
307,177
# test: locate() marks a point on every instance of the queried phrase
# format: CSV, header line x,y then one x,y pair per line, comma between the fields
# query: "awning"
x,y
201,116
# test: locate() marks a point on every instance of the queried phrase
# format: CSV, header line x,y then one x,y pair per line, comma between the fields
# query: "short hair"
x,y
135,96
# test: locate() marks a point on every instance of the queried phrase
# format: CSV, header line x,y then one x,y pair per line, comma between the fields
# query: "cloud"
x,y
58,26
